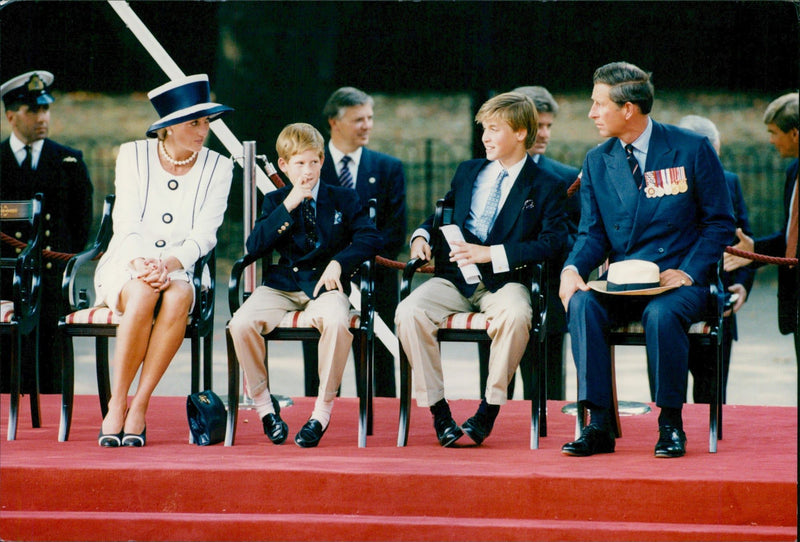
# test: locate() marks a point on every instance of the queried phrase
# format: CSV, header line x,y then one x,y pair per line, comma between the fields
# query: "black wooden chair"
x,y
84,320
19,316
471,327
707,334
293,327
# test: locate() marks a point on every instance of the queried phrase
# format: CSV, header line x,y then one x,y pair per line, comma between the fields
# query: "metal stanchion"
x,y
249,217
249,166
250,275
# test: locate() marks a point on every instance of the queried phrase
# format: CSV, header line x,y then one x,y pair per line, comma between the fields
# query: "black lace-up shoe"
x,y
593,440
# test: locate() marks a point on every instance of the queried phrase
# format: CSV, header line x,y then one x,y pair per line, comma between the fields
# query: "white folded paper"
x,y
452,233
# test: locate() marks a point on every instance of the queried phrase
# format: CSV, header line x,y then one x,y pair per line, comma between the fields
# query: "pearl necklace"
x,y
171,160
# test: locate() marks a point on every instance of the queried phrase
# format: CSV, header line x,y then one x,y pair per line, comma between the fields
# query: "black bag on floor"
x,y
207,417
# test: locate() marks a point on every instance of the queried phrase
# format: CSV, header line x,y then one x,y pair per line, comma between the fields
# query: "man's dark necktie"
x,y
310,223
27,163
634,165
345,177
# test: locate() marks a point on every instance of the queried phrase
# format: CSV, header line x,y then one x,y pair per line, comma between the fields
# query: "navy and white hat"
x,y
30,88
184,99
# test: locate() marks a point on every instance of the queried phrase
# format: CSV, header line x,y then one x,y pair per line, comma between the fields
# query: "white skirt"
x,y
110,279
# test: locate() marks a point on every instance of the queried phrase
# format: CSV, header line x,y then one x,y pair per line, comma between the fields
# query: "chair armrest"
x,y
71,301
367,287
539,297
203,312
234,299
27,281
408,275
717,290
367,283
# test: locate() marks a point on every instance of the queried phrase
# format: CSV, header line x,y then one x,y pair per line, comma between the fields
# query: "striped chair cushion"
x,y
297,319
6,311
698,328
98,315
465,320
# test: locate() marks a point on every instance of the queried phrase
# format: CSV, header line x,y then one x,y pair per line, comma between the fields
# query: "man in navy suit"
x,y
783,125
547,108
510,214
651,192
322,234
30,162
377,176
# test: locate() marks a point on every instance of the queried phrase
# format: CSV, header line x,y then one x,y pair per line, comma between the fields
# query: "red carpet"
x,y
171,490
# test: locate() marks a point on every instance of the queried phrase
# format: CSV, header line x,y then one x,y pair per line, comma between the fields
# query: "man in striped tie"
x,y
348,162
651,192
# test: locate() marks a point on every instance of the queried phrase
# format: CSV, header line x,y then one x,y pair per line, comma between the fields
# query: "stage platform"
x,y
502,490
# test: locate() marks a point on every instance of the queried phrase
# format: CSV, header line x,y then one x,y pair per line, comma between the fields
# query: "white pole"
x,y
165,62
227,138
249,204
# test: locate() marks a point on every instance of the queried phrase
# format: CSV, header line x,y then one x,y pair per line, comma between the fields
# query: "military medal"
x,y
680,175
650,184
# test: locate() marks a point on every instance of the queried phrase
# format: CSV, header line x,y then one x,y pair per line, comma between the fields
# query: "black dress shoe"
x,y
478,427
671,442
109,440
310,434
275,428
593,440
135,441
447,430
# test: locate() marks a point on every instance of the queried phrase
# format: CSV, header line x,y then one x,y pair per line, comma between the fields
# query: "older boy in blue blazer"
x,y
510,213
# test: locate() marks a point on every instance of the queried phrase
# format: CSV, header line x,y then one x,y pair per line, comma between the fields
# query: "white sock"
x,y
263,403
322,411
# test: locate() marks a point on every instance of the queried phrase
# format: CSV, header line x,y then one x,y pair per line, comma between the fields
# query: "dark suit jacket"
x,y
686,231
743,275
345,232
531,226
61,176
556,317
775,245
381,177
567,175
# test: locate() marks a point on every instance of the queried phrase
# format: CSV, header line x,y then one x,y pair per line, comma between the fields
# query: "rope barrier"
x,y
394,264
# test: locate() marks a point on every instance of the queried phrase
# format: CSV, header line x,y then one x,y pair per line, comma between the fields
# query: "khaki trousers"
x,y
418,318
264,310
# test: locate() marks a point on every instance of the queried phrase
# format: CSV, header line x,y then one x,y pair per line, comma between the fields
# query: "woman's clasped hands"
x,y
153,272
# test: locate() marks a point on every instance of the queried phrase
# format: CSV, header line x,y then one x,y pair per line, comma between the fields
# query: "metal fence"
x,y
430,164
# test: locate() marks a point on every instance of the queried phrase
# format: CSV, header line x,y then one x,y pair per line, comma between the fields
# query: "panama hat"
x,y
31,88
630,277
184,99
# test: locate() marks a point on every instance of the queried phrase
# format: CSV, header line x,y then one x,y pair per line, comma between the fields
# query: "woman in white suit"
x,y
171,194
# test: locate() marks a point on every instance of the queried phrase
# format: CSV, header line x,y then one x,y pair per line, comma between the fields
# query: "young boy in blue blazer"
x,y
322,234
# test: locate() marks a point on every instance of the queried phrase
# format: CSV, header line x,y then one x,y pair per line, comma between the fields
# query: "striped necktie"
x,y
634,165
486,220
345,177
